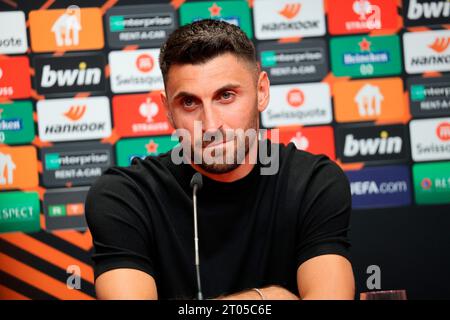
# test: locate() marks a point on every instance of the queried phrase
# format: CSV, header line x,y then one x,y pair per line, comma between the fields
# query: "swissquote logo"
x,y
430,139
74,119
140,115
70,74
371,143
427,51
304,104
288,18
135,71
426,12
13,32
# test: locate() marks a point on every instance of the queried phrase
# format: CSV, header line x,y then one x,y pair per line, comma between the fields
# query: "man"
x,y
281,235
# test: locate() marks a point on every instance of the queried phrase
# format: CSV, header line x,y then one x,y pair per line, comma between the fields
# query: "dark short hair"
x,y
200,41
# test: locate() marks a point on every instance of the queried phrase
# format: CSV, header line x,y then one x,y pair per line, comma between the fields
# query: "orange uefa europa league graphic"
x,y
369,100
18,168
66,29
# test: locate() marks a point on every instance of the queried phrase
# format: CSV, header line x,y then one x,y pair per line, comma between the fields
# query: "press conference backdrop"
x,y
365,82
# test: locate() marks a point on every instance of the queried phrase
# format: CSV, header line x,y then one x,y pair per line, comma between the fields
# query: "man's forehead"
x,y
211,75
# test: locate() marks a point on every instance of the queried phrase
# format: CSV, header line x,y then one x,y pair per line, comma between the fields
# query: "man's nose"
x,y
211,119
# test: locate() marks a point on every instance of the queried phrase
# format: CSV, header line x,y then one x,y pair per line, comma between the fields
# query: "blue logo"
x,y
380,187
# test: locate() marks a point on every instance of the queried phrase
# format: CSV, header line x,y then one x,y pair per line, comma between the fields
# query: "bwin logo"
x,y
372,146
428,10
70,77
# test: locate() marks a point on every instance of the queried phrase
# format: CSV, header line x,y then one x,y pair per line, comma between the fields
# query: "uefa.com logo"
x,y
226,147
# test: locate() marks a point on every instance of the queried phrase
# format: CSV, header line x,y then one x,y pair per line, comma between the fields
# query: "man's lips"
x,y
216,143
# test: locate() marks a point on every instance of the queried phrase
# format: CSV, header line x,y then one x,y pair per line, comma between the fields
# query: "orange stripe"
x,y
83,241
82,95
47,4
37,142
108,4
431,74
113,138
177,3
9,294
11,3
131,47
48,253
290,40
418,29
40,280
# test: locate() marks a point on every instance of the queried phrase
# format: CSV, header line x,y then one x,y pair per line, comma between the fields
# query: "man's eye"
x,y
227,95
188,102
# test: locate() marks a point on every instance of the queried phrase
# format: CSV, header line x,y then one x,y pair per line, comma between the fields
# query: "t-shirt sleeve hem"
x,y
112,264
323,249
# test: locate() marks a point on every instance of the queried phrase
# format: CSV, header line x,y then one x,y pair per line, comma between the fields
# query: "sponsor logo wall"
x,y
364,82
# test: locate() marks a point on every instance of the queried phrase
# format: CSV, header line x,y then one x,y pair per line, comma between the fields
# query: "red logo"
x,y
138,115
75,112
364,45
151,147
290,10
443,131
15,80
440,44
145,63
295,98
361,16
426,183
214,10
317,140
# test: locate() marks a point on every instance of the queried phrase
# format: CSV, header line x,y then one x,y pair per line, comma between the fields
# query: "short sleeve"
x,y
325,214
120,227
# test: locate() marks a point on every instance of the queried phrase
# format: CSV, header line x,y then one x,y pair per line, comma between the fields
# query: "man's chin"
x,y
219,168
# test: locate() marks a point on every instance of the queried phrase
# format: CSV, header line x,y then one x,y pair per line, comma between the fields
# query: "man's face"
x,y
224,94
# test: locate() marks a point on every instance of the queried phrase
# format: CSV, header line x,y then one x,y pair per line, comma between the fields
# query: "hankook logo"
x,y
74,119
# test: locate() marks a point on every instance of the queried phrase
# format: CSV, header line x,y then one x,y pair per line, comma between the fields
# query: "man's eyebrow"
x,y
228,86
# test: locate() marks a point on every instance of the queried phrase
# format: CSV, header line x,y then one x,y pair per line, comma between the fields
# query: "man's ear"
x,y
166,107
263,91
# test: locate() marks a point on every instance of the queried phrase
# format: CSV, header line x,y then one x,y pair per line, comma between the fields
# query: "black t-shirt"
x,y
253,232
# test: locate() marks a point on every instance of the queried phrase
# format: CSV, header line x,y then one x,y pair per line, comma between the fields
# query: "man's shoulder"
x,y
303,166
139,172
299,160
